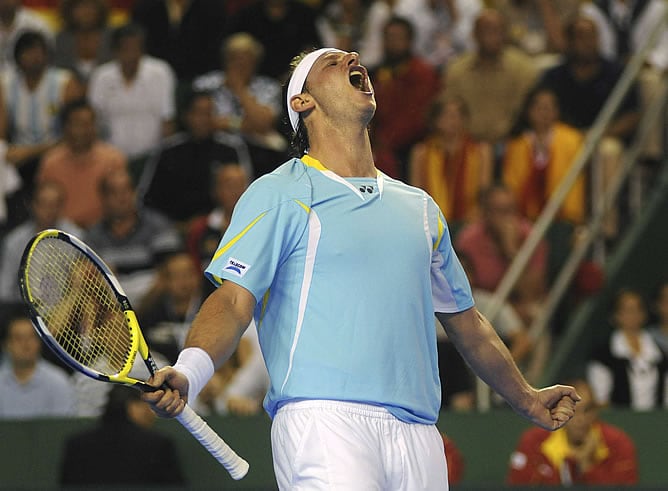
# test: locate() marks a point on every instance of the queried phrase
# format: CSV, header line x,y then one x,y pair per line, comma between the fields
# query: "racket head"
x,y
79,308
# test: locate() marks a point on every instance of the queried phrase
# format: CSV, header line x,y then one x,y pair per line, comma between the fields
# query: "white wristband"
x,y
197,366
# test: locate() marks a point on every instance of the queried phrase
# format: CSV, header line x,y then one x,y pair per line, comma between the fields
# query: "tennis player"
x,y
343,268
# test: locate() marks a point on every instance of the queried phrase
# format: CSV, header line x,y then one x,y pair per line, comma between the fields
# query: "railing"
x,y
601,203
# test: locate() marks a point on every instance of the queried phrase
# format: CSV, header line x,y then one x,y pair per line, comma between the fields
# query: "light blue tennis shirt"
x,y
347,274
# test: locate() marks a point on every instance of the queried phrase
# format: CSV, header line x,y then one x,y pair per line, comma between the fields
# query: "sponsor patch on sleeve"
x,y
236,267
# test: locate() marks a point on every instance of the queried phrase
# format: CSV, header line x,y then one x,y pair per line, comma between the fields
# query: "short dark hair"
x,y
126,31
27,40
11,312
299,143
403,22
71,107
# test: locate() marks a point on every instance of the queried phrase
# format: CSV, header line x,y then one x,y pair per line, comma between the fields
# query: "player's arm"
x,y
488,356
216,330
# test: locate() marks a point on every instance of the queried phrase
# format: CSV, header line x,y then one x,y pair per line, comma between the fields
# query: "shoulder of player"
x,y
287,183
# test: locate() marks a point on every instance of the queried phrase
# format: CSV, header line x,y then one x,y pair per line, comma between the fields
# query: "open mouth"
x,y
358,78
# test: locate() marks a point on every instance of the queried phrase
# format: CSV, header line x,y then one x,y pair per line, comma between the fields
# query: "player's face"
x,y
341,87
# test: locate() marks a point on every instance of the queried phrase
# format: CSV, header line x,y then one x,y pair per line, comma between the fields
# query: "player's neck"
x,y
347,153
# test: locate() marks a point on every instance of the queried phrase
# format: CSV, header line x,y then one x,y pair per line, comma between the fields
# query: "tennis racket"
x,y
81,312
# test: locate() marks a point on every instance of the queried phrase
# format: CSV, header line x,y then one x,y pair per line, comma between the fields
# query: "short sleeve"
x,y
266,227
451,290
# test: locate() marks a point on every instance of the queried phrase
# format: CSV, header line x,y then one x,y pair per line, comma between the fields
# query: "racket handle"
x,y
221,451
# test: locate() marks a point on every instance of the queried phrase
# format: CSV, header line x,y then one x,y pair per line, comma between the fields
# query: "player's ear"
x,y
302,102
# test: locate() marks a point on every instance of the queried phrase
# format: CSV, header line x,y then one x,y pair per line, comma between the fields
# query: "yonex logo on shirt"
x,y
366,189
236,267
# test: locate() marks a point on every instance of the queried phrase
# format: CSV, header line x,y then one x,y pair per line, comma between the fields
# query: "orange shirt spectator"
x,y
449,164
585,451
79,163
539,157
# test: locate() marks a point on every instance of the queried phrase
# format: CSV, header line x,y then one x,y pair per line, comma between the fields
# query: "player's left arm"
x,y
488,356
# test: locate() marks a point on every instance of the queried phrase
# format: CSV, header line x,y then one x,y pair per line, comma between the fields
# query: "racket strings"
x,y
78,306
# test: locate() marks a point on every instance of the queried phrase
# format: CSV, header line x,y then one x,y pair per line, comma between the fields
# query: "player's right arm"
x,y
216,329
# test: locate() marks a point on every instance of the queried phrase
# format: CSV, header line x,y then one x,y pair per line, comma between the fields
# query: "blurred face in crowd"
x,y
397,42
583,44
8,7
242,54
585,416
490,33
23,346
200,117
499,209
630,314
129,52
118,196
231,181
87,14
33,60
182,279
47,204
80,130
452,119
543,111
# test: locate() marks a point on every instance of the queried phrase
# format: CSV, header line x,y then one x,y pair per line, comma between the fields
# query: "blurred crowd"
x,y
137,124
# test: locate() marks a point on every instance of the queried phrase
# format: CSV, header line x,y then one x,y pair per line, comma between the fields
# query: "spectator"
x,y
538,156
583,83
508,325
204,234
355,25
443,28
449,164
283,27
629,370
141,456
247,103
182,32
46,212
131,240
14,20
493,80
624,27
79,162
587,451
492,242
537,27
659,330
169,308
84,42
33,92
400,121
133,95
177,176
30,387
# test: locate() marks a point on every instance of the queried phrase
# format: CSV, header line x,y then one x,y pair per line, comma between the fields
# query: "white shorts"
x,y
333,445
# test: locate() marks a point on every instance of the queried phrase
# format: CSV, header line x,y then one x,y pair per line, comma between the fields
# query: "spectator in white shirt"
x,y
133,95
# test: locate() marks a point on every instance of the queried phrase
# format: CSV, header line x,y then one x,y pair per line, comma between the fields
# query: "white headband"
x,y
298,79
